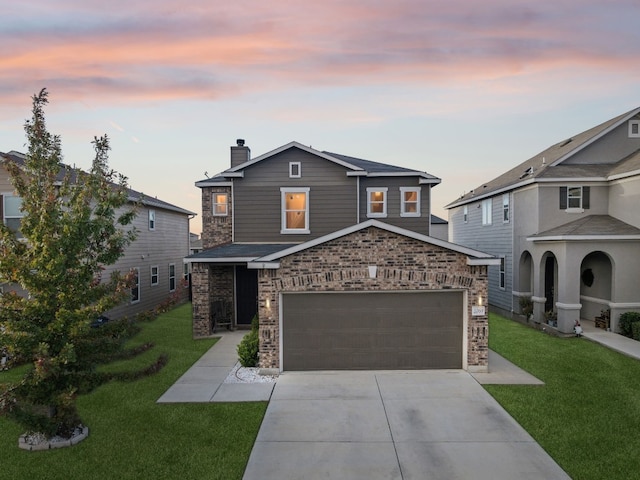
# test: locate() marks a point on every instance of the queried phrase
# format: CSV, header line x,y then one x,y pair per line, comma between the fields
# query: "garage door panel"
x,y
383,330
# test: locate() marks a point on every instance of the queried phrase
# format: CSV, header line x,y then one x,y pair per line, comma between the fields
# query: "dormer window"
x,y
377,202
295,170
634,128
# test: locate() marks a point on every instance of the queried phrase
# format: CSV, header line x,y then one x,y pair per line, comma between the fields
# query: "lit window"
x,y
502,272
410,201
154,275
377,202
172,277
634,128
13,213
295,210
152,219
220,204
505,208
486,212
465,214
295,170
135,289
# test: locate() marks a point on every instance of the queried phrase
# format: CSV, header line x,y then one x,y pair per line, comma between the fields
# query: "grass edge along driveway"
x,y
587,415
132,437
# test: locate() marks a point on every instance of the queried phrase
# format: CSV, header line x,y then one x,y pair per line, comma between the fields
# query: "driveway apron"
x,y
438,424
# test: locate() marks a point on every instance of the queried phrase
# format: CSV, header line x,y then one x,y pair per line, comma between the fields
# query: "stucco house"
x,y
334,255
156,255
566,226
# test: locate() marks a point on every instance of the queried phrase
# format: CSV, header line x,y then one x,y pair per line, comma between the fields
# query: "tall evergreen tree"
x,y
75,223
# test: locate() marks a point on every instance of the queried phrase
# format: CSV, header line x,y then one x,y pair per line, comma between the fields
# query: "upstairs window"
x,y
295,210
465,214
12,213
295,170
135,290
377,202
486,212
574,198
505,208
220,204
634,128
409,201
152,219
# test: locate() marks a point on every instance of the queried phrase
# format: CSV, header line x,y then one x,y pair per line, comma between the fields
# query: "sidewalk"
x,y
204,381
614,341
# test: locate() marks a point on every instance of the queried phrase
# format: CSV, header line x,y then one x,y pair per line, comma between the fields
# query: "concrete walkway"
x,y
204,381
614,341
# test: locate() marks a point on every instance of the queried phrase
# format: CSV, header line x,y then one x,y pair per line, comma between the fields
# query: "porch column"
x,y
568,305
200,281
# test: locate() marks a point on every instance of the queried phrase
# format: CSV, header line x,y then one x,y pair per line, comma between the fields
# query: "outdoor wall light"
x,y
480,300
268,304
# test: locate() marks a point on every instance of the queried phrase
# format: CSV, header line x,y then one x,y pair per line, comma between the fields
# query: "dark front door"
x,y
246,295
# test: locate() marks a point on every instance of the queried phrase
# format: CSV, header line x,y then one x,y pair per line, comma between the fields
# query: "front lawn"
x,y
132,437
587,415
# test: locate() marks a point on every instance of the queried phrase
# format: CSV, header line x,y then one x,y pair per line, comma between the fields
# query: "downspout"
x,y
358,199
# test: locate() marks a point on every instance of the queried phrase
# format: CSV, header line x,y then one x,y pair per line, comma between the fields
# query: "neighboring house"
x,y
334,255
195,243
156,255
439,228
566,226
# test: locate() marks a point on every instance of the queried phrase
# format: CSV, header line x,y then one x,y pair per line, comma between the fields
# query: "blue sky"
x,y
461,89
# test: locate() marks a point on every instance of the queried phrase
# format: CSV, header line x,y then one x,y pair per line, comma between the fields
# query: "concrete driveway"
x,y
392,425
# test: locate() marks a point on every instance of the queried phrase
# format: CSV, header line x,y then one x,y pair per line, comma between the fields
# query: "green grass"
x,y
587,415
132,437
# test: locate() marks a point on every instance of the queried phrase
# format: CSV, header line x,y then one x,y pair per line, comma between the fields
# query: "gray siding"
x,y
257,197
417,224
624,198
496,239
608,149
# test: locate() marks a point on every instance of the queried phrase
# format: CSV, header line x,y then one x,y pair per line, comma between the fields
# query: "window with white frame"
x,y
634,128
295,210
502,272
12,213
172,277
185,275
505,208
377,202
409,201
295,170
220,204
487,212
152,219
155,275
135,289
465,214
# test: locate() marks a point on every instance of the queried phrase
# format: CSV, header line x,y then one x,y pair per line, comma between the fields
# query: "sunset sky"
x,y
461,89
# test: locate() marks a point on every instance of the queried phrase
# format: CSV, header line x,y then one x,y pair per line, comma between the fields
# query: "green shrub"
x,y
249,345
635,329
627,319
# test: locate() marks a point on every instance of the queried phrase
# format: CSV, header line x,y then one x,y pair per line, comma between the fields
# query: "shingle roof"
x,y
591,225
542,164
371,166
238,252
133,195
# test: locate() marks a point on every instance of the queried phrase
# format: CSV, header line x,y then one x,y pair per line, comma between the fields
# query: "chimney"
x,y
239,153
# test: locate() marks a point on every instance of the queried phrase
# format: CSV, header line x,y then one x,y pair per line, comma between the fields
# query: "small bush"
x,y
249,345
627,319
635,328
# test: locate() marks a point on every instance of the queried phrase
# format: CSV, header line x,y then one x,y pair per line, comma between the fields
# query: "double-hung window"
x,y
135,289
220,204
574,198
152,219
377,202
295,210
154,275
505,208
409,201
465,214
486,212
502,272
172,277
12,213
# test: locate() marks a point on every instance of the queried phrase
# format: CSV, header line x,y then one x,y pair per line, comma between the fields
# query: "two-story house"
x,y
565,225
156,255
334,255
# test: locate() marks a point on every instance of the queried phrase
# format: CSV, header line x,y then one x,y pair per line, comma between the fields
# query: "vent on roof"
x,y
528,171
566,142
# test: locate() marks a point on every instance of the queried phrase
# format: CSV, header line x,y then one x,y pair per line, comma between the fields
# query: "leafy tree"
x,y
75,223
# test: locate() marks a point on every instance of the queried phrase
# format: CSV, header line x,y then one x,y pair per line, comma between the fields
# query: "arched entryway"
x,y
596,284
549,279
525,277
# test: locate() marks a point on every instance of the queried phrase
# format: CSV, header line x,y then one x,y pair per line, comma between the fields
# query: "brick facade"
x,y
402,263
216,230
209,283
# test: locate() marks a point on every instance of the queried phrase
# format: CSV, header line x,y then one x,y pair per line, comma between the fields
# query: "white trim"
x,y
215,203
506,196
152,220
535,299
637,125
137,286
371,190
568,306
625,305
263,265
175,283
600,301
207,183
219,260
487,213
283,212
502,273
151,267
403,202
582,238
483,261
291,167
521,294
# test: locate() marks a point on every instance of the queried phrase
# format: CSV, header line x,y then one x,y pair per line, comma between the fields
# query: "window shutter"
x,y
563,198
585,197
